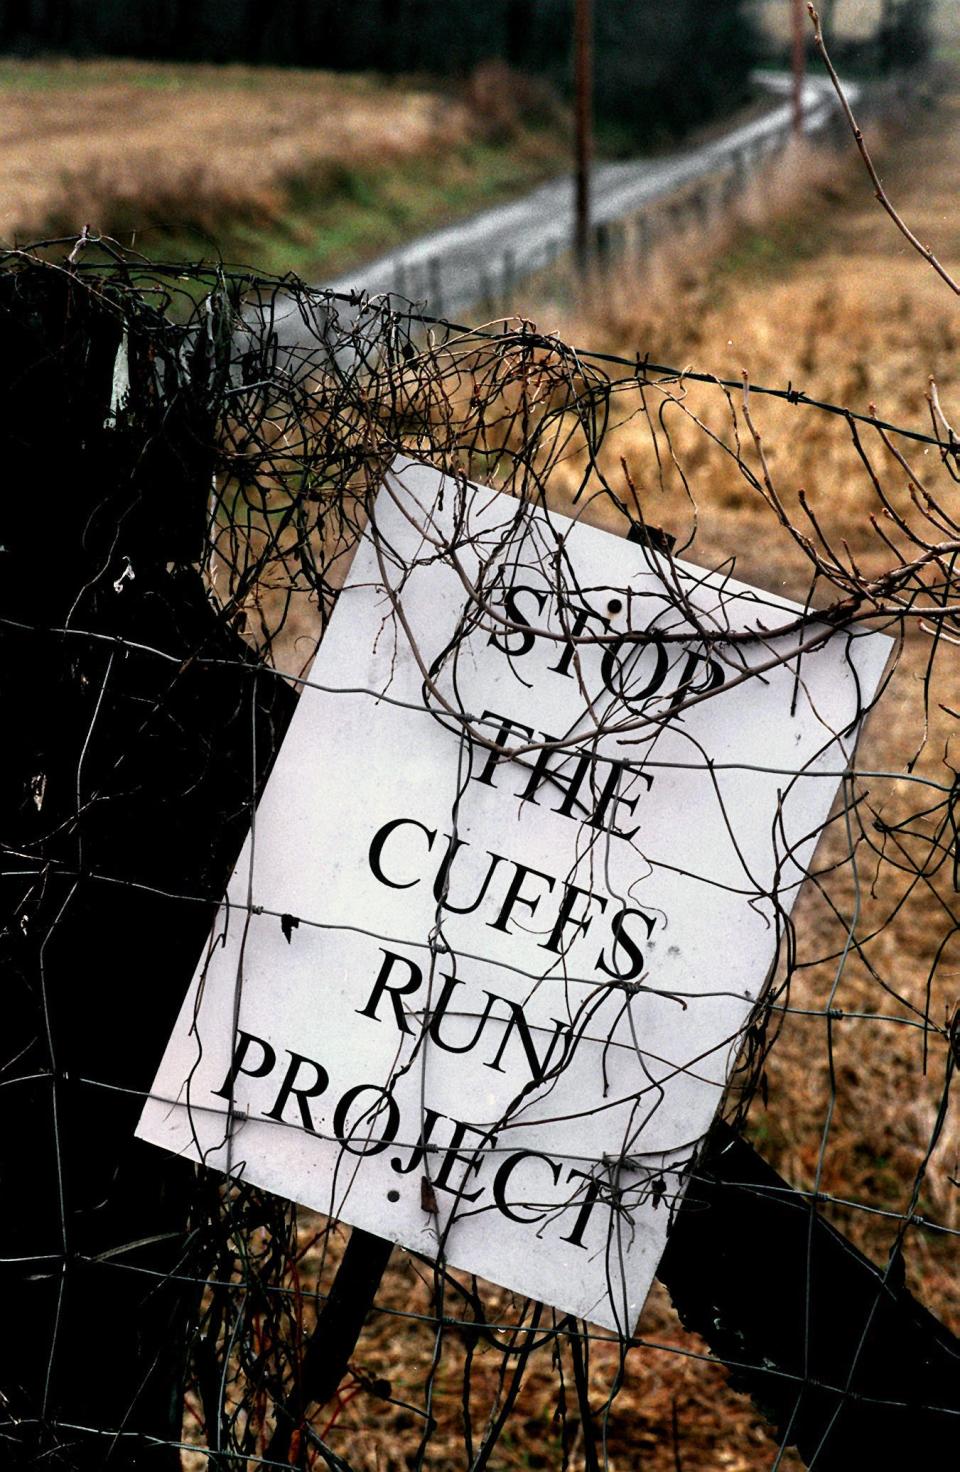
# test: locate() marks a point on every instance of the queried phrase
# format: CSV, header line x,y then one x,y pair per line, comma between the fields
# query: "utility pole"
x,y
583,70
799,65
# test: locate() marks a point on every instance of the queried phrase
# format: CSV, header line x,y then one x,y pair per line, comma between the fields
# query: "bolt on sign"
x,y
516,884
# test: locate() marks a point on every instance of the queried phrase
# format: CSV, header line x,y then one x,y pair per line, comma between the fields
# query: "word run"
x,y
464,1158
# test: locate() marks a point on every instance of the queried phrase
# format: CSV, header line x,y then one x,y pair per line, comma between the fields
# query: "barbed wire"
x,y
195,456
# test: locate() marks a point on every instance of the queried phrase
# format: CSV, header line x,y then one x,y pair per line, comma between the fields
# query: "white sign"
x,y
483,999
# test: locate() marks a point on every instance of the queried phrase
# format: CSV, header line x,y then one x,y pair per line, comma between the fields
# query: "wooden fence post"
x,y
127,781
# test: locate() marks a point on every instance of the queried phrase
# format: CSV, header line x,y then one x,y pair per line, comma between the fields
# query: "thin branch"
x,y
878,189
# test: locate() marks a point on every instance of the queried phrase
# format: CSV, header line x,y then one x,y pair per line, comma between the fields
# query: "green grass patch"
x,y
343,215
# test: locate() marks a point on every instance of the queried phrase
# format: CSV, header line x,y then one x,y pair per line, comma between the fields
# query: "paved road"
x,y
482,260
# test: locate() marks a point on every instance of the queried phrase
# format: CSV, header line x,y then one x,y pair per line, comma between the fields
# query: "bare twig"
x,y
878,189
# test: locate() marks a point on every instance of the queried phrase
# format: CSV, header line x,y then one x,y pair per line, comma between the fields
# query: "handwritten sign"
x,y
514,888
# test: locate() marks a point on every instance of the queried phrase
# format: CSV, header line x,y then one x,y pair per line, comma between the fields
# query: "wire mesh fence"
x,y
193,458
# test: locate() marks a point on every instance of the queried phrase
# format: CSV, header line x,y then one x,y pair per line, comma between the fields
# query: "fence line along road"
x,y
480,261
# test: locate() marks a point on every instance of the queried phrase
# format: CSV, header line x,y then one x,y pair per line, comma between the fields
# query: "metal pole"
x,y
799,65
583,67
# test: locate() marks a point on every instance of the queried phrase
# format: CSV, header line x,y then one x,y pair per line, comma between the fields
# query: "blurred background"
x,y
311,135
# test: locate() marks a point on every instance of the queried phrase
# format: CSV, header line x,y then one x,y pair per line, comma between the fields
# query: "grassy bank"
x,y
287,170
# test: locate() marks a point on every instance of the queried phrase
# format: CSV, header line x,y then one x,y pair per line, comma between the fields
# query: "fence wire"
x,y
192,457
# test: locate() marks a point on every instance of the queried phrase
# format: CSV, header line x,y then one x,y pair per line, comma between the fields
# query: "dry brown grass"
x,y
78,137
859,321
812,287
815,289
818,290
192,150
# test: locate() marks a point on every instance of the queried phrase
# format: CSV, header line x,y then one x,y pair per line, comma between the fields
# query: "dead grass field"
x,y
825,295
819,291
285,169
811,287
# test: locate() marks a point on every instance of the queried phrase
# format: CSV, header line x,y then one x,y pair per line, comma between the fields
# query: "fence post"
x,y
326,1358
128,776
434,287
507,276
485,294
837,1353
601,243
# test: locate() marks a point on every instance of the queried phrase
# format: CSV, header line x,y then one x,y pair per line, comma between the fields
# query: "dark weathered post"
x,y
583,71
836,1352
128,776
327,1354
799,64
